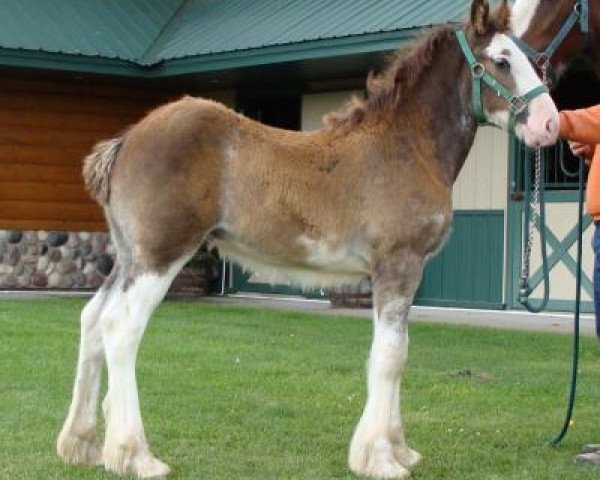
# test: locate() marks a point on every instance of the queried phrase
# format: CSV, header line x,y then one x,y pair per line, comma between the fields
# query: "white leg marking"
x,y
77,440
123,323
378,447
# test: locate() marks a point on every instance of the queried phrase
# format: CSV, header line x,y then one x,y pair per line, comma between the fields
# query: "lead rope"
x,y
535,214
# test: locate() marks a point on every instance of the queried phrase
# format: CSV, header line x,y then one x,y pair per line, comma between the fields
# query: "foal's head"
x,y
489,36
538,22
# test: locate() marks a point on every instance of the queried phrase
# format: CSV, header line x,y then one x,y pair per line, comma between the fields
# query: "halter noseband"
x,y
516,103
580,14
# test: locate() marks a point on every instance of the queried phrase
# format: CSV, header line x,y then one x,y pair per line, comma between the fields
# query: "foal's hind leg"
x,y
132,300
378,447
77,440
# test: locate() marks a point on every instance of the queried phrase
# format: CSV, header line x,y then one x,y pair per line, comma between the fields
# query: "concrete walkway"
x,y
506,319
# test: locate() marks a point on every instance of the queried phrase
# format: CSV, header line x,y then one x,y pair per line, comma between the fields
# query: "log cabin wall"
x,y
52,234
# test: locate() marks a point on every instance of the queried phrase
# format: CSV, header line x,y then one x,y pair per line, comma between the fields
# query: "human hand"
x,y
582,150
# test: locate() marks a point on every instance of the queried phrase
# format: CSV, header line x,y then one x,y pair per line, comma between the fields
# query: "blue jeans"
x,y
596,248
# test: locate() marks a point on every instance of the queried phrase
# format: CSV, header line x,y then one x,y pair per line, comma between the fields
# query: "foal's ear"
x,y
480,16
501,17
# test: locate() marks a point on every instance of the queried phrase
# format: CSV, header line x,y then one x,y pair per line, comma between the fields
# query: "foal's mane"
x,y
387,89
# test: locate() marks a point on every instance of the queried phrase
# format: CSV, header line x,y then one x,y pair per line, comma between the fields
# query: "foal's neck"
x,y
444,96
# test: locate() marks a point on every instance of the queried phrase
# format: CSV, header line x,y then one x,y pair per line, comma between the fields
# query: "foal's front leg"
x,y
378,447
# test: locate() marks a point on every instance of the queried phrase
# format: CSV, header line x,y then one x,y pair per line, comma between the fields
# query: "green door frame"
x,y
560,247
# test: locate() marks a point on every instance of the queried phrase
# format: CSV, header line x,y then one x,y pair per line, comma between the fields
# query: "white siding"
x,y
315,105
482,183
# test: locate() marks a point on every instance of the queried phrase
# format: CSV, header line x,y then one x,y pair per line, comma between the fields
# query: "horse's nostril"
x,y
550,125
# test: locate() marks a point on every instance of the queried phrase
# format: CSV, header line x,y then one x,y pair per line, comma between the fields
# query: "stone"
x,y
15,236
93,280
42,235
9,281
12,256
24,281
76,253
30,238
78,279
39,280
86,248
5,269
89,268
54,255
54,279
104,263
44,249
56,239
22,248
111,249
33,250
66,282
73,240
65,267
65,251
29,259
18,269
4,236
42,263
84,236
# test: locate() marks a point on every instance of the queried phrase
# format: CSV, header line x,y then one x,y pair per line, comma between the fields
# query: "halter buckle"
x,y
517,105
477,70
578,8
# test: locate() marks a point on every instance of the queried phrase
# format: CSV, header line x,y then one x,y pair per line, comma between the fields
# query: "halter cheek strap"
x,y
516,103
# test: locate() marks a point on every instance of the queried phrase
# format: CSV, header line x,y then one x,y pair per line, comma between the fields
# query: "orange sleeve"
x,y
592,200
581,125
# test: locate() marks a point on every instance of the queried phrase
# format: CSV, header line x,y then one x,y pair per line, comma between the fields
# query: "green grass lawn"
x,y
233,393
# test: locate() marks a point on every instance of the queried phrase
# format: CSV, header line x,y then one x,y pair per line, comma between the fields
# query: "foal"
x,y
369,196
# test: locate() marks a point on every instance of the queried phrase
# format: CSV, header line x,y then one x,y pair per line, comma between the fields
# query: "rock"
x,y
66,282
5,269
78,279
111,249
10,281
44,249
73,240
76,253
104,263
39,280
24,281
84,236
42,263
93,280
42,235
85,248
14,236
30,238
18,269
33,250
65,267
54,279
29,259
56,239
12,256
54,255
65,251
89,268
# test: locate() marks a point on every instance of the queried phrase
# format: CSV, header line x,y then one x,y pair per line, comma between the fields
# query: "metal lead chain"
x,y
535,203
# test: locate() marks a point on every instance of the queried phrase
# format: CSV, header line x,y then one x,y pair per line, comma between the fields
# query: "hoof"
x,y
142,463
376,460
407,457
79,449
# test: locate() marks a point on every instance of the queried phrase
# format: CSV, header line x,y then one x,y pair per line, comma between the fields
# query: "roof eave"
x,y
302,51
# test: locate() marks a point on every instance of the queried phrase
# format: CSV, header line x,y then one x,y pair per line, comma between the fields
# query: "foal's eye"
x,y
502,63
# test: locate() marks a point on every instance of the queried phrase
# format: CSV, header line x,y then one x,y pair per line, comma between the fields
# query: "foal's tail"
x,y
97,167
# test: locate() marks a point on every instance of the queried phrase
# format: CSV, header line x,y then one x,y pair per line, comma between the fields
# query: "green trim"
x,y
567,306
308,50
434,302
560,253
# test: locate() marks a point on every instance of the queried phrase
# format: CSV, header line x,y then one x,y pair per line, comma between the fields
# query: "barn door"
x,y
561,229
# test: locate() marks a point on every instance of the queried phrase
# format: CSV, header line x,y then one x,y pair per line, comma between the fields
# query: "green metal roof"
x,y
171,37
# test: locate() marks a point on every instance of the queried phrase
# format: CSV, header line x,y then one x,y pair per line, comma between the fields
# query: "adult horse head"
x,y
556,32
369,196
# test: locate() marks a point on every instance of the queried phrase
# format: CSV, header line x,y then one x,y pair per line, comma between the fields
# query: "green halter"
x,y
516,103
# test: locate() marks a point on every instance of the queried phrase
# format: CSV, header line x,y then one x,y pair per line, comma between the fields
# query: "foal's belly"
x,y
307,262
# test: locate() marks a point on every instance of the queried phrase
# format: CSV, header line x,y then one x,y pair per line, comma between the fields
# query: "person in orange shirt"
x,y
582,130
